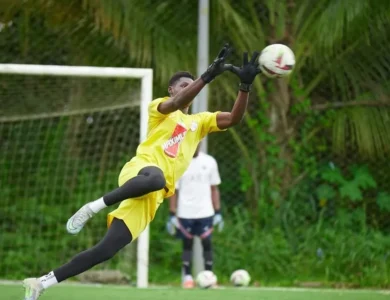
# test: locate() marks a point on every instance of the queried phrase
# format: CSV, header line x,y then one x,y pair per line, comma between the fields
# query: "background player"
x,y
150,176
195,208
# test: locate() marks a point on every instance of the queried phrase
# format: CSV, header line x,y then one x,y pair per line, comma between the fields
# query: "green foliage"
x,y
383,201
352,188
325,191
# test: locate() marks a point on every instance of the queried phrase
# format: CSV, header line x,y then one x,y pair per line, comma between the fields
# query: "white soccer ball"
x,y
276,60
240,278
206,279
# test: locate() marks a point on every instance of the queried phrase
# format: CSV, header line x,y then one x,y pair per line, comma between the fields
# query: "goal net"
x,y
65,133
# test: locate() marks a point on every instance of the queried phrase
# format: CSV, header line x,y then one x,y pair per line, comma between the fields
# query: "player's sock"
x,y
97,205
149,179
48,280
186,268
207,254
187,256
208,260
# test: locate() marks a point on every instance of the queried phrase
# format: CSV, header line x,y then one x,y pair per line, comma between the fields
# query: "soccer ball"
x,y
276,60
240,278
206,279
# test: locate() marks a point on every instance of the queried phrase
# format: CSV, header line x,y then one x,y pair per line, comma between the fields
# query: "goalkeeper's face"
x,y
179,85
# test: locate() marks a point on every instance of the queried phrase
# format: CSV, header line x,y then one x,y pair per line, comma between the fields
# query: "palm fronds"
x,y
341,46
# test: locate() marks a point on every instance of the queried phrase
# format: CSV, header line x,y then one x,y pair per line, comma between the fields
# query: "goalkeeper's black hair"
x,y
175,77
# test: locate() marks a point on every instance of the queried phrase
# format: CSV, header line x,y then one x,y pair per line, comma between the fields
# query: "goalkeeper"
x,y
160,161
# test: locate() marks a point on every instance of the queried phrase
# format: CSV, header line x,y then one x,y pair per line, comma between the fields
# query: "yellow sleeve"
x,y
153,111
208,123
155,117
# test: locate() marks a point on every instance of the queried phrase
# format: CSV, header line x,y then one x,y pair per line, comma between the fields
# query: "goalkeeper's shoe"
x,y
78,220
33,289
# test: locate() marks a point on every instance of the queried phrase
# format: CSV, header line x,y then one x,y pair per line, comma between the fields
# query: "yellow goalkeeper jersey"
x,y
172,140
170,145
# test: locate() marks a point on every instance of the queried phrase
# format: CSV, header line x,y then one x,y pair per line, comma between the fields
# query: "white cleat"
x,y
33,289
78,220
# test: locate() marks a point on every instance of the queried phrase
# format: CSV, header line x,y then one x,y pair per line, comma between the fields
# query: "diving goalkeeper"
x,y
160,161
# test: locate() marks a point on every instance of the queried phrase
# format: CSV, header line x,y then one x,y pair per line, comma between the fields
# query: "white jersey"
x,y
194,187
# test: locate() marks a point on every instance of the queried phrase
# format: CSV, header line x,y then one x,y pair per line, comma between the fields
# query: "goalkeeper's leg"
x,y
117,236
148,179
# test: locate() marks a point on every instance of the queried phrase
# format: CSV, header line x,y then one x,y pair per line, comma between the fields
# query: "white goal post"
x,y
146,77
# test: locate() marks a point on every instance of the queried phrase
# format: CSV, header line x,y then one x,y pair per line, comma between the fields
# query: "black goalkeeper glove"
x,y
218,66
247,73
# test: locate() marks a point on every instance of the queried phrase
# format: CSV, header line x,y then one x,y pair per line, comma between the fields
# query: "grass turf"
x,y
78,292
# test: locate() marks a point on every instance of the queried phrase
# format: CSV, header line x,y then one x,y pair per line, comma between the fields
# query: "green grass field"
x,y
77,292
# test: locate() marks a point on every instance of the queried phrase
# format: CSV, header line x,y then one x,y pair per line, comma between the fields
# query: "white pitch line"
x,y
94,285
164,287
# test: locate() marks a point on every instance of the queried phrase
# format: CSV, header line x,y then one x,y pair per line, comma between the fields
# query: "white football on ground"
x,y
206,279
240,278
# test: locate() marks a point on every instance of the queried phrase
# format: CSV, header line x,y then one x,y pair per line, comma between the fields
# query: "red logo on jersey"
x,y
172,145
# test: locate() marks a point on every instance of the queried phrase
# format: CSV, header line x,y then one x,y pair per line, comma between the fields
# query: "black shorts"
x,y
188,228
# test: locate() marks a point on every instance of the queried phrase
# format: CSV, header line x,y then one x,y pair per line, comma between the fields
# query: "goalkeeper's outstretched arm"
x,y
229,119
247,74
184,98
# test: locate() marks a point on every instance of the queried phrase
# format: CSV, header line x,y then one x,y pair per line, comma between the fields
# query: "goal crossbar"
x,y
146,77
78,71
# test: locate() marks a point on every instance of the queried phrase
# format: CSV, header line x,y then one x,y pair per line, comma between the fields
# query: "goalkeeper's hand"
x,y
218,66
218,221
248,71
172,224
